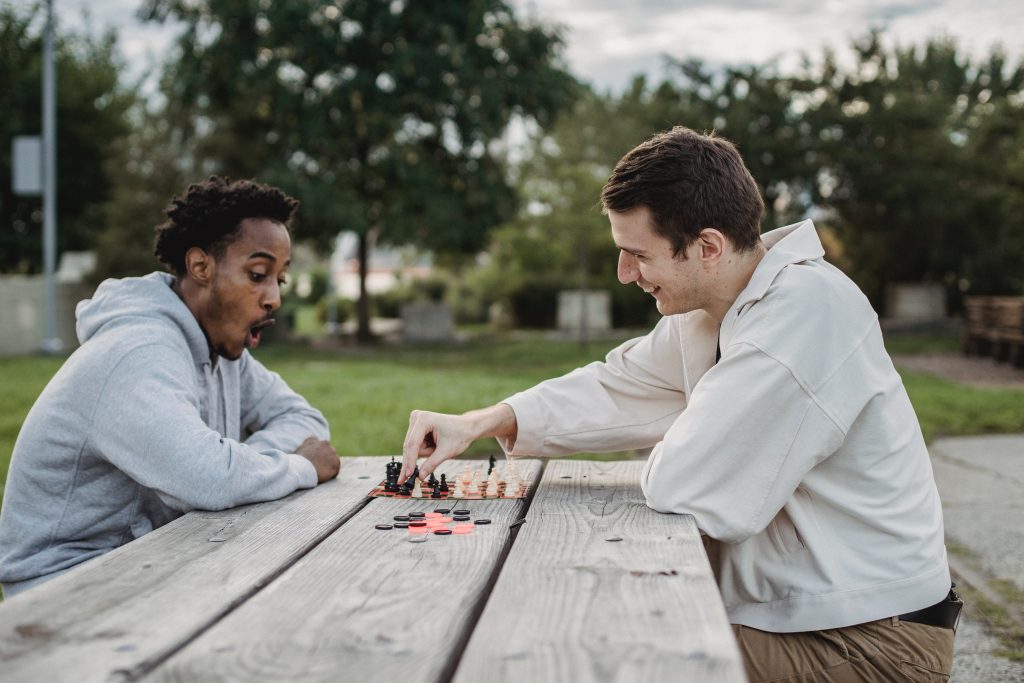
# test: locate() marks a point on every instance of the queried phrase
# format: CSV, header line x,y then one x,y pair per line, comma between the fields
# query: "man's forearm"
x,y
498,421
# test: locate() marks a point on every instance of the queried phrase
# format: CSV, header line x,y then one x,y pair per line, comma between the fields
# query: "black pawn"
x,y
437,489
444,484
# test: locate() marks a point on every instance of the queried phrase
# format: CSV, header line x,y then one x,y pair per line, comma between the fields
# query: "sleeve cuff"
x,y
529,426
303,471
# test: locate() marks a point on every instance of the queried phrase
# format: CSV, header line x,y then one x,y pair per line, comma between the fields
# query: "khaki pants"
x,y
884,650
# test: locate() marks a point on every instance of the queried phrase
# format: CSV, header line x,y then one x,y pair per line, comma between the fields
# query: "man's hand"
x,y
322,455
439,437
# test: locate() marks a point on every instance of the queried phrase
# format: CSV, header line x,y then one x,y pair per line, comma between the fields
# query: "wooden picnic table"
x,y
307,589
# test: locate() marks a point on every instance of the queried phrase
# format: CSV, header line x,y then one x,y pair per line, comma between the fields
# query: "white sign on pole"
x,y
27,158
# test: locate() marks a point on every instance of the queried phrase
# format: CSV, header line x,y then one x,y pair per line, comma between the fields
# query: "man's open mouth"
x,y
252,340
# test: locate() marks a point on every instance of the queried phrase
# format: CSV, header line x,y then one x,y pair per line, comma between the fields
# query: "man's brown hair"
x,y
689,182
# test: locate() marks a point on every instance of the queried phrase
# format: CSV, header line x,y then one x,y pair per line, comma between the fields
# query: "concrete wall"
x,y
592,307
21,313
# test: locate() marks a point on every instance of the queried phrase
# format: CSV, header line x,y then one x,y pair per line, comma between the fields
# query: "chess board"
x,y
379,492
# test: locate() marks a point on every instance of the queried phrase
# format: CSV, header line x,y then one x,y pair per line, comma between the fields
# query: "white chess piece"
x,y
512,485
492,484
417,490
460,489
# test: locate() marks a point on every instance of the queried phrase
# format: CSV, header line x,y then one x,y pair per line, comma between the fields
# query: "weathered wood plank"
x,y
573,603
364,605
116,616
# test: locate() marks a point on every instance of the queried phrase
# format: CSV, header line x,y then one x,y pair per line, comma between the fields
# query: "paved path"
x,y
973,371
981,482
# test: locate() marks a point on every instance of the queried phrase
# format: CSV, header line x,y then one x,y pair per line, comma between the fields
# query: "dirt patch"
x,y
970,370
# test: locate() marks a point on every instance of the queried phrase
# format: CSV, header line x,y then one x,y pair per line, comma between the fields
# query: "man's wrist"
x,y
497,421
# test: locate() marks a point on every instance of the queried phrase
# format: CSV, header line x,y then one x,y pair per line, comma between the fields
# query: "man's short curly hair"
x,y
209,215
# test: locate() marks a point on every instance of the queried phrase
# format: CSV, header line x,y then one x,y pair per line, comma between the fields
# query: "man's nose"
x,y
627,270
272,301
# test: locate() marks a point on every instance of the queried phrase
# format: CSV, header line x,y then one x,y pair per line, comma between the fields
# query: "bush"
x,y
632,307
345,309
535,303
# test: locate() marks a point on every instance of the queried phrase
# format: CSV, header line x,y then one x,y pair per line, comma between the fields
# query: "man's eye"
x,y
282,282
257,277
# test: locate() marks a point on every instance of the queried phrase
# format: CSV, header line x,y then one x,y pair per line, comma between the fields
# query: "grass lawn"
x,y
367,394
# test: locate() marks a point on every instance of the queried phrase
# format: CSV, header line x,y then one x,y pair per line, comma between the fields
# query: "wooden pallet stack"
x,y
994,326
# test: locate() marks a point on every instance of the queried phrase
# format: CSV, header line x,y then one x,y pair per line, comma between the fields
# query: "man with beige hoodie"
x,y
775,418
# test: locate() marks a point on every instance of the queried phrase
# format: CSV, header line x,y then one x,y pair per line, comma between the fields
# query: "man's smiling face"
x,y
246,287
646,258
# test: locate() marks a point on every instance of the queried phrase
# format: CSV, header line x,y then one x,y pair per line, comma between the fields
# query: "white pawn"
x,y
465,478
417,490
474,483
460,489
492,484
512,484
512,488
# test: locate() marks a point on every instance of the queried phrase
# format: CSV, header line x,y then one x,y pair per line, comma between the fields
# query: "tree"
x,y
91,117
905,137
383,117
148,167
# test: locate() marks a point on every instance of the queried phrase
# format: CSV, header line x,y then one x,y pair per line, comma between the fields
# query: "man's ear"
x,y
712,244
199,265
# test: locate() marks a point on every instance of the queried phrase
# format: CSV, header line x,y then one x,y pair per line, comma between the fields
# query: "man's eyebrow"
x,y
631,250
266,255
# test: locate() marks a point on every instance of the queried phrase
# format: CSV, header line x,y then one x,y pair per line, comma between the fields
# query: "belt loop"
x,y
896,622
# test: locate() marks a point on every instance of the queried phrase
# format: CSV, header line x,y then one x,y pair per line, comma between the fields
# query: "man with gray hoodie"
x,y
162,409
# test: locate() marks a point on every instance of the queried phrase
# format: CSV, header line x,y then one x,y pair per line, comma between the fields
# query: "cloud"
x,y
610,41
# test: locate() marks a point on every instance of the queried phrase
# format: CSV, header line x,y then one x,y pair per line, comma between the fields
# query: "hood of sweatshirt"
x,y
122,307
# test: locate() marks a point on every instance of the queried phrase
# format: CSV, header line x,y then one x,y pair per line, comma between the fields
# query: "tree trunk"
x,y
363,333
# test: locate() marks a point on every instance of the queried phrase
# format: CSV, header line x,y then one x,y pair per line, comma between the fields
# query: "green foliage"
x,y
917,165
147,171
91,118
342,105
560,240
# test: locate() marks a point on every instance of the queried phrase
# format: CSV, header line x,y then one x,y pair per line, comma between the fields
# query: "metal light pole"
x,y
51,342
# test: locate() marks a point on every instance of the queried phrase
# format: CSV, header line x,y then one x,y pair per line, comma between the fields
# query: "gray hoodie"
x,y
139,426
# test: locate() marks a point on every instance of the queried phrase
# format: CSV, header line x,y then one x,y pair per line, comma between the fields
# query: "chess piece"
x,y
444,484
436,492
474,483
392,471
417,490
490,465
465,475
432,480
492,484
512,488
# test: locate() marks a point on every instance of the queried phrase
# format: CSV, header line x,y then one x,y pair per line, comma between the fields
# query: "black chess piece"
x,y
437,488
444,484
490,466
392,471
432,480
406,488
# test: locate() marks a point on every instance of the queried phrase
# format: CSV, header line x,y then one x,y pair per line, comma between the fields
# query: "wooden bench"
x,y
592,586
1008,329
994,325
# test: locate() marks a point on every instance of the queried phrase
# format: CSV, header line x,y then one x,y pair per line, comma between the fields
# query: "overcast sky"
x,y
609,41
